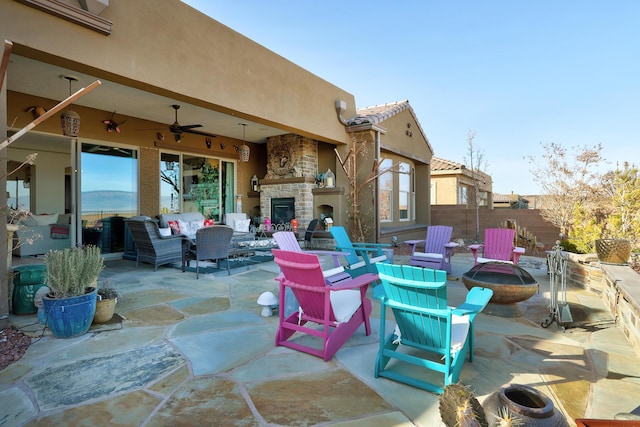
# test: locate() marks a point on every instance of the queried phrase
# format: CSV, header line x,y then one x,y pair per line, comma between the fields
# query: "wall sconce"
x,y
254,184
222,145
36,111
207,141
329,179
70,120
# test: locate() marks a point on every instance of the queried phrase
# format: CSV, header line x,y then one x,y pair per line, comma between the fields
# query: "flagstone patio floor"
x,y
182,351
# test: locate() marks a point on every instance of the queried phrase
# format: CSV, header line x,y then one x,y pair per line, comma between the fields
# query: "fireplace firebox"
x,y
283,210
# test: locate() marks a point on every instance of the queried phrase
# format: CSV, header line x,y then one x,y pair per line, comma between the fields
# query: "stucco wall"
x,y
155,44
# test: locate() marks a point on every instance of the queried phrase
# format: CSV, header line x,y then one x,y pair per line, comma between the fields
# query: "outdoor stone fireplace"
x,y
292,165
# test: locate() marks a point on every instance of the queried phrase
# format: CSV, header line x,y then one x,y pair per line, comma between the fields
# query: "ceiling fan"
x,y
112,125
177,129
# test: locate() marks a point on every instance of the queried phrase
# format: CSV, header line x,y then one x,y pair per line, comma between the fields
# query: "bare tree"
x,y
569,182
349,164
475,162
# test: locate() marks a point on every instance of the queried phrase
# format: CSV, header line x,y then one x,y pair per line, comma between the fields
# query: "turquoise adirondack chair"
x,y
338,309
438,249
418,299
362,257
498,247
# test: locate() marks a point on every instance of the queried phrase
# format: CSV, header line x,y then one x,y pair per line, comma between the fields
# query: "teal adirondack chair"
x,y
362,256
417,297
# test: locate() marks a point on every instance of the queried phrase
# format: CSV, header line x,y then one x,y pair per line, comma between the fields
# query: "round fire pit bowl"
x,y
510,284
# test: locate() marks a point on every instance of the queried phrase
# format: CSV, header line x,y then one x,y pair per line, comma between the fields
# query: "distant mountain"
x,y
109,201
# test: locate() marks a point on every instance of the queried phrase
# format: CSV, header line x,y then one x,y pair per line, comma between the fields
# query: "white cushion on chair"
x,y
459,331
483,260
344,304
371,261
427,255
332,271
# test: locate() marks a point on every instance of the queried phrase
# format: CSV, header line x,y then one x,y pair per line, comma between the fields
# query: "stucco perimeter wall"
x,y
619,287
463,221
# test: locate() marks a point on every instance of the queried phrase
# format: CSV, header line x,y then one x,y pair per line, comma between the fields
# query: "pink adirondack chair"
x,y
438,249
498,246
287,241
340,309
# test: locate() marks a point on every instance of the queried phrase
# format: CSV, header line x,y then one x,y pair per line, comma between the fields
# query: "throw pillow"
x,y
184,227
242,225
46,219
194,226
173,225
165,231
208,222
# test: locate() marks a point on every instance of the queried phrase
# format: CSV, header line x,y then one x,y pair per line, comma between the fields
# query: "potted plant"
x,y
72,276
105,304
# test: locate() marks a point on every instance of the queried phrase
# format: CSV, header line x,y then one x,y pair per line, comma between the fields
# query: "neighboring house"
x,y
394,136
510,201
453,184
233,95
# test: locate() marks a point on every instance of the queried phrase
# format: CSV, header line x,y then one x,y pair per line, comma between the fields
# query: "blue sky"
x,y
517,73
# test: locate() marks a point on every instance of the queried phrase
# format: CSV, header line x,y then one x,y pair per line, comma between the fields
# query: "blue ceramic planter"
x,y
70,317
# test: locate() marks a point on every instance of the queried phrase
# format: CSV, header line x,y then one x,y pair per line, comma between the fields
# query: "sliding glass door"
x,y
190,183
108,181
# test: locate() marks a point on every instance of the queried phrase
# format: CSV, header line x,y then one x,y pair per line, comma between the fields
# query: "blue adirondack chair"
x,y
418,299
361,257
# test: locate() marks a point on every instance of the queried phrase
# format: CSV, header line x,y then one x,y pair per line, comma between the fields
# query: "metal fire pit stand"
x,y
560,313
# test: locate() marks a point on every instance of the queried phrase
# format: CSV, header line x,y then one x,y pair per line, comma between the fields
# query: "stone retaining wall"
x,y
619,287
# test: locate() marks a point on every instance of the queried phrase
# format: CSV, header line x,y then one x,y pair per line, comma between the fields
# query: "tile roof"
x,y
379,113
439,164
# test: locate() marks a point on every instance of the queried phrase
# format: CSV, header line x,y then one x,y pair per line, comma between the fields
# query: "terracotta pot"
x,y
613,251
532,407
104,310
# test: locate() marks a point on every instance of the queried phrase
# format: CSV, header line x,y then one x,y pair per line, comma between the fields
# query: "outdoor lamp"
x,y
329,179
267,300
70,120
254,183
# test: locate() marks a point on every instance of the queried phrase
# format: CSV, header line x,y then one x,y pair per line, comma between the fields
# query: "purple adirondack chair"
x,y
498,246
340,309
438,249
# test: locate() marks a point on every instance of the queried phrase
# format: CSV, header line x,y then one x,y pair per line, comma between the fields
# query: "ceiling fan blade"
x,y
187,127
199,132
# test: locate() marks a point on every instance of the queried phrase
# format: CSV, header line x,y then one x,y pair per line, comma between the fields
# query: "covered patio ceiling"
x,y
36,78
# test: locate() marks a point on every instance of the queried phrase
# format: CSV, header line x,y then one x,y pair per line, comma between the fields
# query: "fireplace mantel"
x,y
278,181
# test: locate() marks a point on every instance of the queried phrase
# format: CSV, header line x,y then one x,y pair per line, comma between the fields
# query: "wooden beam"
x,y
50,113
5,61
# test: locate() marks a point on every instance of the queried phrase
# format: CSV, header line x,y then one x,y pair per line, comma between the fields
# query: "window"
x,y
404,190
462,195
19,194
413,194
170,183
386,192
